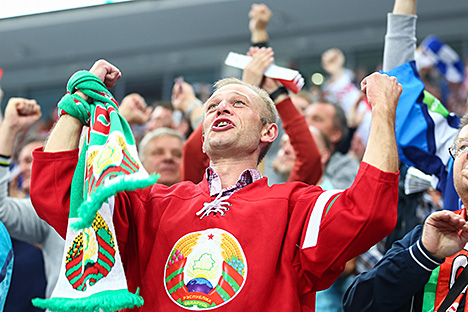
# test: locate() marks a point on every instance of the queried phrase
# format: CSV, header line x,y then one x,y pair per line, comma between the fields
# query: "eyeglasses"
x,y
458,147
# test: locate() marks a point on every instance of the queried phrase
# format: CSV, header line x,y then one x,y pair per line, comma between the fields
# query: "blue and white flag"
x,y
424,131
434,52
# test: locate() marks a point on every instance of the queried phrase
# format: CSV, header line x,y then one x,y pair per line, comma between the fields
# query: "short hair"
x,y
269,114
164,104
156,133
32,137
29,137
463,123
340,122
304,95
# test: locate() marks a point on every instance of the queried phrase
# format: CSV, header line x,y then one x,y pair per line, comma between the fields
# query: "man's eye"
x,y
177,153
212,107
463,148
157,152
238,103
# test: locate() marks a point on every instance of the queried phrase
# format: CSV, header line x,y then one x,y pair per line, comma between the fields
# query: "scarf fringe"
x,y
88,209
107,301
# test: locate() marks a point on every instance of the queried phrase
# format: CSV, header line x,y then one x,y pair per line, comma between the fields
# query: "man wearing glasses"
x,y
425,268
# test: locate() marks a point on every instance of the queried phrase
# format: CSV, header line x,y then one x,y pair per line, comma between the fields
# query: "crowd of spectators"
x,y
323,133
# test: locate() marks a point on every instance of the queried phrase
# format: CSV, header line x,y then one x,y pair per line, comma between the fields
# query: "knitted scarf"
x,y
92,276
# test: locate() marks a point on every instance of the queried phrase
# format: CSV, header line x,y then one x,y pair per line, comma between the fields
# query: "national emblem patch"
x,y
205,270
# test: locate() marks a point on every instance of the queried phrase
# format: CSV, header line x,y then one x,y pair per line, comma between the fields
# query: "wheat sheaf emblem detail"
x,y
205,270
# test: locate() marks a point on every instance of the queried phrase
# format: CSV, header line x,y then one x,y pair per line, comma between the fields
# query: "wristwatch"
x,y
192,106
281,90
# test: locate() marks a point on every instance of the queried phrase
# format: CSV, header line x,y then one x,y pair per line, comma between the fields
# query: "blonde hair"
x,y
269,114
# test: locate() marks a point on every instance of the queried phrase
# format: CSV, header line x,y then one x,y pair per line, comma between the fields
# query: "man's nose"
x,y
168,155
223,107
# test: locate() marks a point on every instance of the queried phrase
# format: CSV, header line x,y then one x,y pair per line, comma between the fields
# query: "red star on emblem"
x,y
210,236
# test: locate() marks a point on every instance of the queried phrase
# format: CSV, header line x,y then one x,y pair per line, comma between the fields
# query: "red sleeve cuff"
x,y
378,174
40,155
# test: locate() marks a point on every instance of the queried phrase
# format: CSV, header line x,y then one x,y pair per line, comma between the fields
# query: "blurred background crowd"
x,y
171,53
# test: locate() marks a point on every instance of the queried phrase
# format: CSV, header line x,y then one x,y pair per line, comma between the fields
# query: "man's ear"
x,y
336,136
324,156
269,133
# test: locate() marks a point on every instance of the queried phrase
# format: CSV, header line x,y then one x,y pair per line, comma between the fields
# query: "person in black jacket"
x,y
402,280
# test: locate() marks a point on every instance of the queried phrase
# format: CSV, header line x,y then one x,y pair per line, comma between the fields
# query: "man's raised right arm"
x,y
66,134
53,168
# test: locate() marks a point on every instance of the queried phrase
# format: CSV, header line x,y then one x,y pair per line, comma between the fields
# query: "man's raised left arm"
x,y
382,94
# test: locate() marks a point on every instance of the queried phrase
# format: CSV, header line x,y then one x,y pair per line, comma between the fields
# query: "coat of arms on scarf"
x,y
92,276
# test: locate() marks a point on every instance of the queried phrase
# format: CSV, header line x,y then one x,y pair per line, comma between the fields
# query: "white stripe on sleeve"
x,y
312,229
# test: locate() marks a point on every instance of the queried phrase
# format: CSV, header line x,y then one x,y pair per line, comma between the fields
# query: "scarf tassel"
x,y
88,209
107,301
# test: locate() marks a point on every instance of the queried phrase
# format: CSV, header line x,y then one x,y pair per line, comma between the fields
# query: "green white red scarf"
x,y
92,276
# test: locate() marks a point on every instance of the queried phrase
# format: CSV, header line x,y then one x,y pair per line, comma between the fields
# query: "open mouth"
x,y
222,124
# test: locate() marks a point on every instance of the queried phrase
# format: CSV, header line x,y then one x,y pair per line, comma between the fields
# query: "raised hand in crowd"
x,y
20,113
67,131
383,93
444,233
108,73
134,109
259,16
184,99
182,95
262,58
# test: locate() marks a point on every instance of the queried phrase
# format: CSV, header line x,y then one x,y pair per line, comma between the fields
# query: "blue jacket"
x,y
397,281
